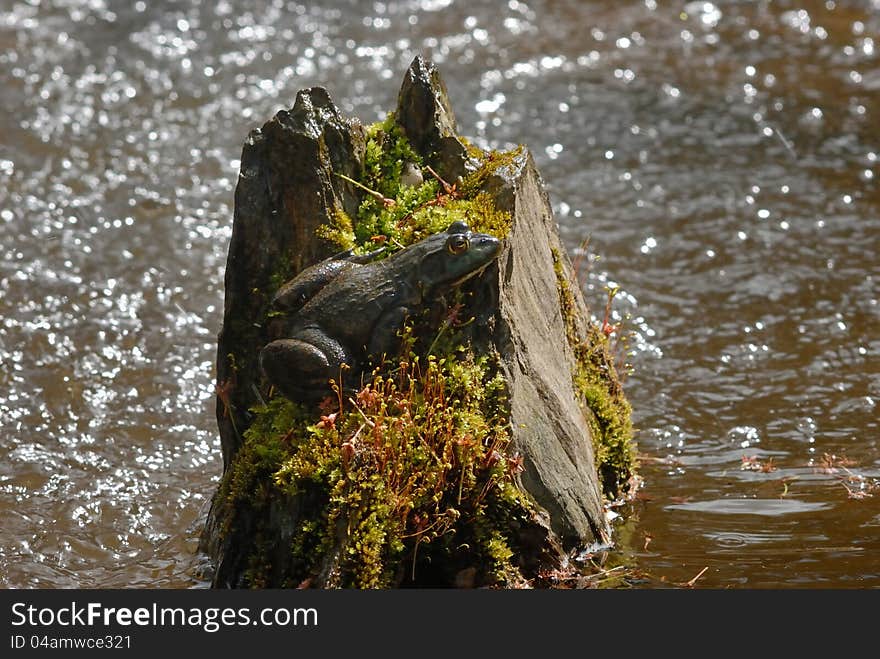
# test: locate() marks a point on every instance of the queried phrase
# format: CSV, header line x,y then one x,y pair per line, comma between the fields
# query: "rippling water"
x,y
722,160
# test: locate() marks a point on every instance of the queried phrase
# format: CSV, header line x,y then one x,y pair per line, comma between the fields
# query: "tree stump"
x,y
300,184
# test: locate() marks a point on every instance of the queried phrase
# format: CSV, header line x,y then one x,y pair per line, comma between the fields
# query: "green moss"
x,y
340,230
595,379
397,215
415,474
282,274
264,446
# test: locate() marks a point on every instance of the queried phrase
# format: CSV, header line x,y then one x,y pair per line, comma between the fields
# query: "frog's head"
x,y
450,257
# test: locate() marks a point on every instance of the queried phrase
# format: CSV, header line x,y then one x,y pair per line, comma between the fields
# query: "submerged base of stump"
x,y
476,455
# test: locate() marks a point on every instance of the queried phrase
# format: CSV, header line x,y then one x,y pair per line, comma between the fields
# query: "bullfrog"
x,y
348,308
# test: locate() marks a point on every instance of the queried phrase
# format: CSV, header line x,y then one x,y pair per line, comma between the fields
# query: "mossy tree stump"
x,y
476,456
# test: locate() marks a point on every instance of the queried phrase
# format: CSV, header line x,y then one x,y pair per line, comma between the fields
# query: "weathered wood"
x,y
547,420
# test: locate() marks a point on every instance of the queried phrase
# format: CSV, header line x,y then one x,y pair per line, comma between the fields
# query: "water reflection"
x,y
766,507
720,157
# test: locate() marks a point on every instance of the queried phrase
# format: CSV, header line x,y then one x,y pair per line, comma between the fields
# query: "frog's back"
x,y
350,304
296,293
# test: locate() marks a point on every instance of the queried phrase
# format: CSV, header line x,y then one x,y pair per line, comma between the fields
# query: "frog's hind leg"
x,y
302,369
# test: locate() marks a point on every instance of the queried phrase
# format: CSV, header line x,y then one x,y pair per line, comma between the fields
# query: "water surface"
x,y
721,160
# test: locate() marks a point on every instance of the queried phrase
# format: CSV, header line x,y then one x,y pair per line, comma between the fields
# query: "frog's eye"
x,y
459,226
457,243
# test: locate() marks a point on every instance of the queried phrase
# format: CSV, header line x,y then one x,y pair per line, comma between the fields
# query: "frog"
x,y
348,309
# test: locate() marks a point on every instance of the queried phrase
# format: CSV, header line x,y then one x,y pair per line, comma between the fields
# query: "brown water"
x,y
723,158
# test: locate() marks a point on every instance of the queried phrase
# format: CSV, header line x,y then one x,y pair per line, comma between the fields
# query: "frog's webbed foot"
x,y
302,368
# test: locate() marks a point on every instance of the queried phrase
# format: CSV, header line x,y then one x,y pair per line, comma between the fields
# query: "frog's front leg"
x,y
385,338
301,367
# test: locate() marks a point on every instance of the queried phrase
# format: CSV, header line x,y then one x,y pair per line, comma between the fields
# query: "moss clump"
x,y
399,215
339,231
257,460
596,381
414,472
